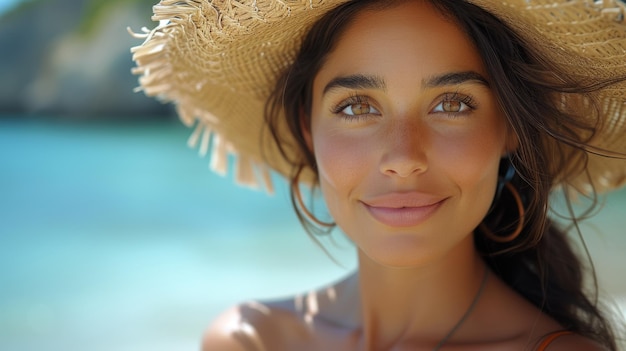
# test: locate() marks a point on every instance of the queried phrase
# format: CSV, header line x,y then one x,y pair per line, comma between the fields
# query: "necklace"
x,y
467,313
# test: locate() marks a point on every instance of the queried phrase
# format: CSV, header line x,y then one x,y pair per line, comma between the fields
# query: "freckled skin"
x,y
407,147
401,134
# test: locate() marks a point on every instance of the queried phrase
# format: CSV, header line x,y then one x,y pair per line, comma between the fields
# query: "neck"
x,y
417,306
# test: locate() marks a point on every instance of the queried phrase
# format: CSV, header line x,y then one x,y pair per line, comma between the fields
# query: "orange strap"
x,y
548,339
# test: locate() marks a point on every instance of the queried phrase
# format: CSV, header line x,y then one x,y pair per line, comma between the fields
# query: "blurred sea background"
x,y
113,234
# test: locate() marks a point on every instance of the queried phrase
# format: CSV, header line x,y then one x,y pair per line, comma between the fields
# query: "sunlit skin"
x,y
407,136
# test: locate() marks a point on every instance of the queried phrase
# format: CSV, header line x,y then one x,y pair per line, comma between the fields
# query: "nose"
x,y
404,150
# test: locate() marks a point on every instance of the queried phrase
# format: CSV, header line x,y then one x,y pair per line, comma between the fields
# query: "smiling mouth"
x,y
396,215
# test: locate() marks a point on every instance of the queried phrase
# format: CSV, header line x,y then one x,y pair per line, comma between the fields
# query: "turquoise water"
x,y
118,237
6,5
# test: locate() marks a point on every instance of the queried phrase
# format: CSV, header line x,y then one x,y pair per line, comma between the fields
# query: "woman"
x,y
435,131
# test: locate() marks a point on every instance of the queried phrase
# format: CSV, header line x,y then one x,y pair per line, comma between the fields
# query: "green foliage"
x,y
96,10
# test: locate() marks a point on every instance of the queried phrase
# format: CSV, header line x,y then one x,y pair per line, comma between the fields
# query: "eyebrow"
x,y
356,81
362,81
454,78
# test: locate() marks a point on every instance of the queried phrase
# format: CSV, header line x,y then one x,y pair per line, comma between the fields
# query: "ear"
x,y
512,142
305,129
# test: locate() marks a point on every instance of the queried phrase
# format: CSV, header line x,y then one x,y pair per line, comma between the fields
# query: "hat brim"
x,y
219,64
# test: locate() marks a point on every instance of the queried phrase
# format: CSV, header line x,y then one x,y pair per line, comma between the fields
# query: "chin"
x,y
402,254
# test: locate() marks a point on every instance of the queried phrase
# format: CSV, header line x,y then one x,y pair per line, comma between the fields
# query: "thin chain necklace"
x,y
467,313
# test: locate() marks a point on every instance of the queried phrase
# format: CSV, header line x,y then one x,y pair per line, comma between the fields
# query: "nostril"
x,y
404,150
404,168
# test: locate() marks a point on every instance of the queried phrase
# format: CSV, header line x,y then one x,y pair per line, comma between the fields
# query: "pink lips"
x,y
403,209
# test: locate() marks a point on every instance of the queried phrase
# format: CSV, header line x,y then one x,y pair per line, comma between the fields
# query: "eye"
x,y
455,103
355,107
358,109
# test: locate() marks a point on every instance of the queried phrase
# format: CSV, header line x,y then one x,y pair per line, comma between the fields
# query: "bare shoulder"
x,y
223,333
573,342
315,320
508,313
249,326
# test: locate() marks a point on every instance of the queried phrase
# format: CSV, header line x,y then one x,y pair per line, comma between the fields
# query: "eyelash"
x,y
467,100
352,100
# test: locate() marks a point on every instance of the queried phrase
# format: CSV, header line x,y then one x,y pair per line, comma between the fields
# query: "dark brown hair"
x,y
540,264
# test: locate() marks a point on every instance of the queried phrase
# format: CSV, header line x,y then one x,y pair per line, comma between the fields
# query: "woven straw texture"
x,y
218,61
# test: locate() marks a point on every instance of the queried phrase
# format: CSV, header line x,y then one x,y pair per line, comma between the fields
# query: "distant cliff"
x,y
51,62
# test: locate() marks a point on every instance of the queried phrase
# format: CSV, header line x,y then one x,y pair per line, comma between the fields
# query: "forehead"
x,y
408,41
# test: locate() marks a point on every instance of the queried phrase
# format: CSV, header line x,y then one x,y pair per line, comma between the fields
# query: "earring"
x,y
520,222
507,172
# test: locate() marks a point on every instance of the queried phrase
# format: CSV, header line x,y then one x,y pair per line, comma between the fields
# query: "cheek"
x,y
471,158
472,161
474,148
340,159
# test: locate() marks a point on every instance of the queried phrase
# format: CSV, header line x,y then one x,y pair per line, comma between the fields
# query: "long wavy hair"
x,y
541,263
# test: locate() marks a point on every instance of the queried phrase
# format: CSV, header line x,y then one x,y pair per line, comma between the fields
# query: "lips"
x,y
403,209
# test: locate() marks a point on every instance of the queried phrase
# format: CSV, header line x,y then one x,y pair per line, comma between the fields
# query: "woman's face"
x,y
407,135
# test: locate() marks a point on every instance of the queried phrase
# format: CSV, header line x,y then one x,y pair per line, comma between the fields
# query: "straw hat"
x,y
218,61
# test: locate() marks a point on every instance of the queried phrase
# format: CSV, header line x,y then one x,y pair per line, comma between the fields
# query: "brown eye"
x,y
455,104
451,106
362,108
